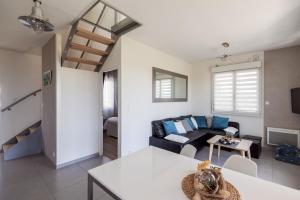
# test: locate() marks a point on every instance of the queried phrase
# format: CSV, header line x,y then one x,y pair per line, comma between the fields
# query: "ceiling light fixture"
x,y
225,55
36,20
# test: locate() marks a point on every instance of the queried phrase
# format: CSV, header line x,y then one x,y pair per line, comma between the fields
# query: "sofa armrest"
x,y
234,124
165,144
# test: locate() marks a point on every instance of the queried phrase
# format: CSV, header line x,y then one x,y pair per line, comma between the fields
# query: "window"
x,y
237,91
247,91
164,88
110,94
223,92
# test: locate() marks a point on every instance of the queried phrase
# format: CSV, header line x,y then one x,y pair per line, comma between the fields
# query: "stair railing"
x,y
94,29
8,108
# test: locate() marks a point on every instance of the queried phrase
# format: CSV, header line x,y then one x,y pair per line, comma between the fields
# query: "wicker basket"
x,y
188,189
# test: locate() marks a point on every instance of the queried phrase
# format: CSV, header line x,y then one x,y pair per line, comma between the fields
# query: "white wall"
x,y
78,115
202,90
71,110
20,74
50,58
137,109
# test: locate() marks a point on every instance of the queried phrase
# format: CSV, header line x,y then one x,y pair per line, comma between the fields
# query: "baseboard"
x,y
268,147
76,160
48,159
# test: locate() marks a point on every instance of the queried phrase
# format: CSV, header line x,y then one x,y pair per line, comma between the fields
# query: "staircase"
x,y
93,36
28,142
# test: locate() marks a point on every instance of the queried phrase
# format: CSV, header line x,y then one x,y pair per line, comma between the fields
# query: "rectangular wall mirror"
x,y
169,86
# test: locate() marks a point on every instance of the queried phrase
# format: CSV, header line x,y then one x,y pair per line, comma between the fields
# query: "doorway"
x,y
110,114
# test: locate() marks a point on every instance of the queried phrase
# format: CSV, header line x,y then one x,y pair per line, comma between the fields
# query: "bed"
x,y
111,127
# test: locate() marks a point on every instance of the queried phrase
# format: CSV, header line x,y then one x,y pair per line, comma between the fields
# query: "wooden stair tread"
x,y
82,60
88,49
20,137
93,36
7,146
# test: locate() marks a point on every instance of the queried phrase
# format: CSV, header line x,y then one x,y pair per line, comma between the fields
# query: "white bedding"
x,y
111,126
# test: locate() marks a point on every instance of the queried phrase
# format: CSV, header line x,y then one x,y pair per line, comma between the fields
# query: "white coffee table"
x,y
242,146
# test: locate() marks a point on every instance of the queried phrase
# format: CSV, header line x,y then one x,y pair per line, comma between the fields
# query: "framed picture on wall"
x,y
47,78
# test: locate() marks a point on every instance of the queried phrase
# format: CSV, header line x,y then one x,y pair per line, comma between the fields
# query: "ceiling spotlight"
x,y
36,20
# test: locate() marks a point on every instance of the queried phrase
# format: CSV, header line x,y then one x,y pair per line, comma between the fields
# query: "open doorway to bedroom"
x,y
110,114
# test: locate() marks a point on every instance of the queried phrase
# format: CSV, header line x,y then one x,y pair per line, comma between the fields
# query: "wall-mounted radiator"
x,y
276,136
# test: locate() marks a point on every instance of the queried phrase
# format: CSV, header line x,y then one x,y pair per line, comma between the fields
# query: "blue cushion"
x,y
201,121
170,127
220,122
190,123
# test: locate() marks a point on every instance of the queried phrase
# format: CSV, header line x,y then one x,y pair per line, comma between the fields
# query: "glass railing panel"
x,y
108,18
111,19
94,13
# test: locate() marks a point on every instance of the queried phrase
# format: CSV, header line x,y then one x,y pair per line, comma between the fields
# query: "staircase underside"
x,y
93,36
27,142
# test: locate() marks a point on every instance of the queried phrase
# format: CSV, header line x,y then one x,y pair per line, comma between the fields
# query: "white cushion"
x,y
209,121
180,128
176,138
231,130
194,122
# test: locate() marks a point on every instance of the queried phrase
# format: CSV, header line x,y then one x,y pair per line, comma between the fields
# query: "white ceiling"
x,y
195,29
190,29
15,36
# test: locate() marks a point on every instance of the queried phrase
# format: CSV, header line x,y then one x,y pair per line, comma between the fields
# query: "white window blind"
x,y
237,91
157,89
223,92
163,88
247,91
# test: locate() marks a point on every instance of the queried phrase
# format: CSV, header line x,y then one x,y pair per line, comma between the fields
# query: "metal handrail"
x,y
20,100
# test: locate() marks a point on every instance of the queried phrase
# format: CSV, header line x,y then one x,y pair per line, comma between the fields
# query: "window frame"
x,y
234,68
172,99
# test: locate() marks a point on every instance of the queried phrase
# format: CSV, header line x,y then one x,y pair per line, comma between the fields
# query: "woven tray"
x,y
188,189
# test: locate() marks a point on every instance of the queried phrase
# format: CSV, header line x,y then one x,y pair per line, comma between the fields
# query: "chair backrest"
x,y
189,151
241,164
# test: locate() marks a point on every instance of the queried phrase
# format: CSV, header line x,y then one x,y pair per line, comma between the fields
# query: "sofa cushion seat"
x,y
196,138
193,135
215,132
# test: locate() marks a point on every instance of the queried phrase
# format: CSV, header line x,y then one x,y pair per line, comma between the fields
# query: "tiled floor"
x,y
33,178
268,168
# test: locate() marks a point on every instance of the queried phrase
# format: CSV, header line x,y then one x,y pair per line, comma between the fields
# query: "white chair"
x,y
241,164
189,151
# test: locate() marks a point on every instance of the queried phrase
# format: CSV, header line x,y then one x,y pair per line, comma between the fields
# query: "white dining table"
x,y
156,174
